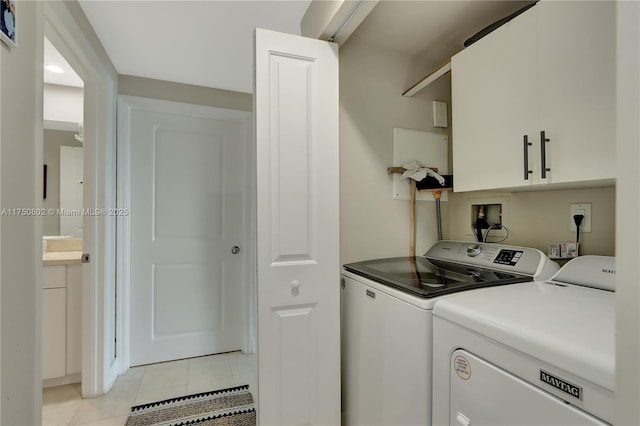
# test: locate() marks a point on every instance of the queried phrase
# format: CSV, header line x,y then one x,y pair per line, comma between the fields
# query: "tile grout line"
x,y
75,414
77,409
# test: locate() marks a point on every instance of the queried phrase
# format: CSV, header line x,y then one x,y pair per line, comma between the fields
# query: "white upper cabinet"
x,y
493,90
577,87
551,70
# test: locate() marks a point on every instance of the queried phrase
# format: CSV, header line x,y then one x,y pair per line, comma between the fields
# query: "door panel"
x,y
187,209
297,360
292,186
190,290
195,162
298,266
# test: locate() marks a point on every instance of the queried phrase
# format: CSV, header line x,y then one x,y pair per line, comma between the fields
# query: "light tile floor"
x,y
63,405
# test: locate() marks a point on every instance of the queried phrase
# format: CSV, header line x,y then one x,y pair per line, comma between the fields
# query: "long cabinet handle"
x,y
527,144
543,155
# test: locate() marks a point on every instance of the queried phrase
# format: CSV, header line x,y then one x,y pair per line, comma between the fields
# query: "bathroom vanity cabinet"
x,y
61,321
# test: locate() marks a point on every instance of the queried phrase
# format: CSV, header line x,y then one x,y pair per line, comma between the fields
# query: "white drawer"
x,y
54,277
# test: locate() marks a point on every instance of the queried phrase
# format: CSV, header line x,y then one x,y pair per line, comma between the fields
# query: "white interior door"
x,y
298,263
71,190
188,186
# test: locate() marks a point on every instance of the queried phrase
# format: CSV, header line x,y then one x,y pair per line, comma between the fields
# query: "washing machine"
x,y
386,322
539,353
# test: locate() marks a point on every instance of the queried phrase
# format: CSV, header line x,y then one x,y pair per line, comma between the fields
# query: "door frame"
x,y
126,106
64,27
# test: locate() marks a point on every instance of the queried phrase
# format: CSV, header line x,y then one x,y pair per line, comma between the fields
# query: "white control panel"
x,y
522,260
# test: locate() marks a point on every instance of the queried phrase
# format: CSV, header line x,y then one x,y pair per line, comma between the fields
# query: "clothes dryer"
x,y
538,353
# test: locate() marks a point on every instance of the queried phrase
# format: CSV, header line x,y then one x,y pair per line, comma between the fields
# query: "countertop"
x,y
52,258
61,251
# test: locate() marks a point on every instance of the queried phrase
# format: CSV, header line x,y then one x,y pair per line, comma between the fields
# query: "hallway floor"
x,y
63,405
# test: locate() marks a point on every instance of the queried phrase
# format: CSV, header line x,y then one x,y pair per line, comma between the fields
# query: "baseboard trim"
x,y
64,380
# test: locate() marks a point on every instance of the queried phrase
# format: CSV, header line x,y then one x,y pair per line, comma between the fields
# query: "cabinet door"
x,y
494,101
53,332
54,276
576,75
74,319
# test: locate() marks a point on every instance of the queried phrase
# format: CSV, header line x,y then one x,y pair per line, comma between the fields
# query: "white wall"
x,y
21,246
538,218
187,93
373,224
62,103
21,76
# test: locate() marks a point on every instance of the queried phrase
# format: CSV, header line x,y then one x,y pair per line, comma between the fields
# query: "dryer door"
x,y
483,394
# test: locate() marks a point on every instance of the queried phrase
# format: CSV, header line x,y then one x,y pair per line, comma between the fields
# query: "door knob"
x,y
235,249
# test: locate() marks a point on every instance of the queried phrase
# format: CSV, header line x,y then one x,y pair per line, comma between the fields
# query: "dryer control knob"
x,y
473,250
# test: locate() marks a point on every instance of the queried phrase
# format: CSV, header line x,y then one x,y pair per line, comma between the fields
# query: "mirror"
x,y
63,158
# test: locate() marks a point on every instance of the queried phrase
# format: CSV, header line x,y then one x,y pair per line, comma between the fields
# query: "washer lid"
x,y
431,278
570,327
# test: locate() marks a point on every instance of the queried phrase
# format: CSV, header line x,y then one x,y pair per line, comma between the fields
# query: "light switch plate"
x,y
440,114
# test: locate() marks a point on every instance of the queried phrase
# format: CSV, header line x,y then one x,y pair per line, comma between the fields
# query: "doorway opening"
x,y
96,319
186,185
63,93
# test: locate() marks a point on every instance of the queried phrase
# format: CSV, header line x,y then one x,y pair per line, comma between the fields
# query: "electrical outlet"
x,y
583,209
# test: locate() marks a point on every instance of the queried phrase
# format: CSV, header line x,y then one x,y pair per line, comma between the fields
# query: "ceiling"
x,y
67,77
429,29
210,43
205,43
